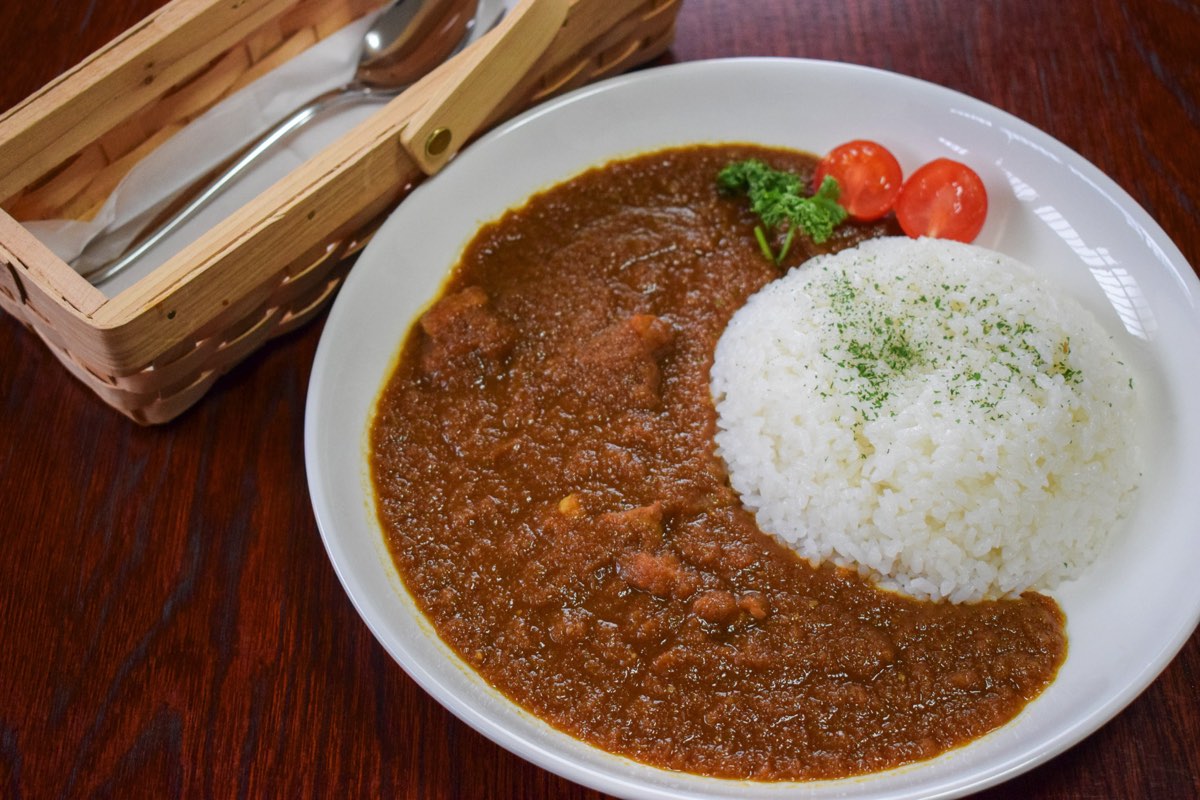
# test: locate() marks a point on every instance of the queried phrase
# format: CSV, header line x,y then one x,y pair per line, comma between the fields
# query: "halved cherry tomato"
x,y
943,199
867,173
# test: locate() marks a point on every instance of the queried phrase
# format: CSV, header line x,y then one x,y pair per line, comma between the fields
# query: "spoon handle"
x,y
344,95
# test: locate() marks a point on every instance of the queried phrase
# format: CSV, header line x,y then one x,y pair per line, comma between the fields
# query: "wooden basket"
x,y
154,349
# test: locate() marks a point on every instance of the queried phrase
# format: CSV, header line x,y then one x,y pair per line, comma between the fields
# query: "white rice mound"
x,y
930,413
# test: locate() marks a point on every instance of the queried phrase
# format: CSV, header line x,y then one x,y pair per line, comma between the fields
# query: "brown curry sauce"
x,y
544,464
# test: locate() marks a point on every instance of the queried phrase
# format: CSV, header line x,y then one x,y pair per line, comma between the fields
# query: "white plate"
x,y
1126,618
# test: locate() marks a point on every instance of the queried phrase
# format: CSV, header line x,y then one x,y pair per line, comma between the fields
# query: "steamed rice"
x,y
930,414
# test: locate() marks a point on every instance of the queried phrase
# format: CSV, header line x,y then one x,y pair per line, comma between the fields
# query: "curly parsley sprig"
x,y
778,198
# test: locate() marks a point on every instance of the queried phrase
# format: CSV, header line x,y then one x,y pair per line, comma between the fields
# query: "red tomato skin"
x,y
944,199
868,175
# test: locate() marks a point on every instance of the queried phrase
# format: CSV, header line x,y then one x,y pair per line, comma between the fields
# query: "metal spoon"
x,y
404,44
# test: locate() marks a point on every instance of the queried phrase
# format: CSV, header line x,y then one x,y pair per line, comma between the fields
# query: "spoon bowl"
x,y
413,37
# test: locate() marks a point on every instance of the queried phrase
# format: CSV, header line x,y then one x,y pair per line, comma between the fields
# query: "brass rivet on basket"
x,y
437,142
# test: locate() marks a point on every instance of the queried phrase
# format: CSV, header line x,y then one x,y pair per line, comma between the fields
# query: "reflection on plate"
x,y
1126,618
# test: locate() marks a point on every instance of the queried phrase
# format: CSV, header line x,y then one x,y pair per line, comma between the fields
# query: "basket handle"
x,y
478,80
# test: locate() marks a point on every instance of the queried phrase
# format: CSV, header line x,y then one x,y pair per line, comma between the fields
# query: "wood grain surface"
x,y
171,624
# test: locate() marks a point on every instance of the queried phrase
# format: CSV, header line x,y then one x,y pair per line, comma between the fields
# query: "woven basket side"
x,y
626,34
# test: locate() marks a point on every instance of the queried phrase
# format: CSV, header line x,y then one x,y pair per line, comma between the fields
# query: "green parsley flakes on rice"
x,y
931,414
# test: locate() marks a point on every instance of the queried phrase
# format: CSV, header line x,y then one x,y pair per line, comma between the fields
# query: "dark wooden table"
x,y
171,624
